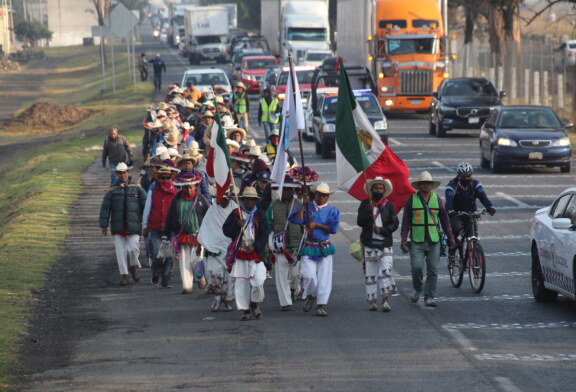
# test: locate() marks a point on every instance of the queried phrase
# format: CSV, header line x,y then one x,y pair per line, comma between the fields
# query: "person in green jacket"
x,y
123,206
241,106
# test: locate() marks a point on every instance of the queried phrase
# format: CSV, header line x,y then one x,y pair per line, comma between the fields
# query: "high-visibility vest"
x,y
240,103
270,151
422,221
266,110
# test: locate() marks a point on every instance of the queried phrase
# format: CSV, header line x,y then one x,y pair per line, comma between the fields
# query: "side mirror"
x,y
435,94
569,125
503,94
561,223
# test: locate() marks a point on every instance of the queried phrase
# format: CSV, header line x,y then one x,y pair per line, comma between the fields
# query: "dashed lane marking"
x,y
440,165
459,337
512,199
395,142
559,324
506,384
525,358
486,298
488,275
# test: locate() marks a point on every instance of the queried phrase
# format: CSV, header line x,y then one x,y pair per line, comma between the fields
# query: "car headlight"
x,y
246,77
281,96
562,142
382,124
445,108
387,89
329,128
504,141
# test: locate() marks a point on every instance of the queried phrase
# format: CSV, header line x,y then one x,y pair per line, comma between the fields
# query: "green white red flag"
x,y
360,150
218,163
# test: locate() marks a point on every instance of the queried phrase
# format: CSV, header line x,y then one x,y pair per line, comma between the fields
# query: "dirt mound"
x,y
49,115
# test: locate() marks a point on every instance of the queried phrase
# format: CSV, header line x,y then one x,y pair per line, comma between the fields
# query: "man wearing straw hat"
x,y
248,229
422,214
378,220
183,221
321,220
241,105
122,206
215,245
284,241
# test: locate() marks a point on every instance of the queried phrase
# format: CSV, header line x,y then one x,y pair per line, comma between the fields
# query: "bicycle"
x,y
470,257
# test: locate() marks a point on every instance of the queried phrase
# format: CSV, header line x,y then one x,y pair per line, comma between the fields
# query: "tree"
x,y
102,8
139,5
504,22
30,32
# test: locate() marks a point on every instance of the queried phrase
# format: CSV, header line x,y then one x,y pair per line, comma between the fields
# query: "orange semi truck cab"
x,y
408,51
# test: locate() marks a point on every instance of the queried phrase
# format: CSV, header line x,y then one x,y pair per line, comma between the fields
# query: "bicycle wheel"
x,y
456,269
477,268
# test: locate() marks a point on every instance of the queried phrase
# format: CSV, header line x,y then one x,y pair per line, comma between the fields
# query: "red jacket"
x,y
162,196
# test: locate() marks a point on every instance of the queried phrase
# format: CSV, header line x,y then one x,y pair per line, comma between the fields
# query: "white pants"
x,y
378,273
317,278
188,259
127,250
286,277
248,287
219,279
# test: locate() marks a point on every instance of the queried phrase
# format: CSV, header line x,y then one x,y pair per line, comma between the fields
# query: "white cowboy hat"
x,y
191,105
195,154
173,153
208,113
162,106
186,125
155,124
194,146
240,85
230,131
172,138
219,100
425,177
275,132
227,122
323,188
249,193
255,151
178,101
122,167
379,180
233,143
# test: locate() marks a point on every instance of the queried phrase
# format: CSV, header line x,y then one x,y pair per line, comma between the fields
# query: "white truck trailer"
x,y
206,30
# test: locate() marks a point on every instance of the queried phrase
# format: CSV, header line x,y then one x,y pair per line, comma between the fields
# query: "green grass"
x,y
34,195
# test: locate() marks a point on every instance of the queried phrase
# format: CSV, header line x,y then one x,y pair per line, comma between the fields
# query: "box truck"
x,y
206,30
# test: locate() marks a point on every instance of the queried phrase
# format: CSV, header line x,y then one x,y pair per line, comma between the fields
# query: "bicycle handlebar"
x,y
474,213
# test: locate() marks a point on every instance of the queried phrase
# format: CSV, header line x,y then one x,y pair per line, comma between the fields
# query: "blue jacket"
x,y
463,198
329,216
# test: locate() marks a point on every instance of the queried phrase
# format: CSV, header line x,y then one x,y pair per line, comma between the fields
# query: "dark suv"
x,y
462,103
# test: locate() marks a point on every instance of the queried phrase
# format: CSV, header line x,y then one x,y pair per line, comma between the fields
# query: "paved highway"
x,y
499,340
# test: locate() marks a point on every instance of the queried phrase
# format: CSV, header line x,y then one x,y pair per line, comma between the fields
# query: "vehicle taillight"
x,y
569,53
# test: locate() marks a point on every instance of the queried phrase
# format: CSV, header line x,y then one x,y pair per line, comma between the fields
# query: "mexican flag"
x,y
360,150
218,163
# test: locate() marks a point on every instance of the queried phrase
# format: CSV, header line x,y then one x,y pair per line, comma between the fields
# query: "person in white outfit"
x,y
215,244
248,229
378,220
183,221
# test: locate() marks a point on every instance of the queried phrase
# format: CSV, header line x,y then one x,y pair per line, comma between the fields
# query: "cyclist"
x,y
461,194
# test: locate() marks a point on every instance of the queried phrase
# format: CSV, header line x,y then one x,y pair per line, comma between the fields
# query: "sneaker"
x,y
257,313
134,273
124,281
167,285
286,308
386,307
228,307
431,302
373,307
245,316
155,280
308,303
215,305
320,311
415,296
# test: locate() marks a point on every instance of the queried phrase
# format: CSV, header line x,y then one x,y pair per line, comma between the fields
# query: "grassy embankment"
x,y
39,187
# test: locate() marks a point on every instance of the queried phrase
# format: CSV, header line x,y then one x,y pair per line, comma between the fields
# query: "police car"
x,y
553,239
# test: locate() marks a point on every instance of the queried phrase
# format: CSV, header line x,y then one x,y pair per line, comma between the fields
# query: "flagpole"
x,y
304,186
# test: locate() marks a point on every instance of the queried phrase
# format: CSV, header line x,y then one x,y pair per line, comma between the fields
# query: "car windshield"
x,y
529,118
369,105
260,63
469,88
304,77
317,56
329,106
204,79
306,34
412,45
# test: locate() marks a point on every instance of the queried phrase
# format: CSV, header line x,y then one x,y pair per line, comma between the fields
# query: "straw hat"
x,y
208,113
238,156
425,176
228,123
156,124
187,157
323,188
173,153
186,125
178,101
122,167
219,100
255,152
165,171
150,108
188,178
160,149
379,180
249,193
230,131
191,105
172,138
194,146
240,85
162,106
233,143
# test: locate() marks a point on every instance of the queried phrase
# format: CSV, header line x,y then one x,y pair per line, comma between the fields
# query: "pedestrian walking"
x,y
249,233
241,106
143,66
423,212
268,112
116,149
378,220
183,223
321,220
158,66
283,243
122,207
215,243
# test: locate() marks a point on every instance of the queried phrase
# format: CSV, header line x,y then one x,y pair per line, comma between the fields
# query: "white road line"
x,y
443,166
488,255
525,358
347,227
503,297
559,324
506,384
394,142
488,275
461,339
512,199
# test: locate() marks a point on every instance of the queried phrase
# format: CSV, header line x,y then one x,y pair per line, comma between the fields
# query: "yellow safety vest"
x,y
266,110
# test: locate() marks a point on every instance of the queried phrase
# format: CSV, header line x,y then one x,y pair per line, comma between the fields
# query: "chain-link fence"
x,y
532,72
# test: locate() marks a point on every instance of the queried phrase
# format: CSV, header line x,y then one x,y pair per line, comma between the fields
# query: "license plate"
x,y
535,155
415,101
473,120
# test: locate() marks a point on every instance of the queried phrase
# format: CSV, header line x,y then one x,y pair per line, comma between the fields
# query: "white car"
x,y
553,242
206,77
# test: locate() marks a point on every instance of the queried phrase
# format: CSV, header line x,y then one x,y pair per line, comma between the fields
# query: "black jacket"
x,y
390,222
261,230
172,223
